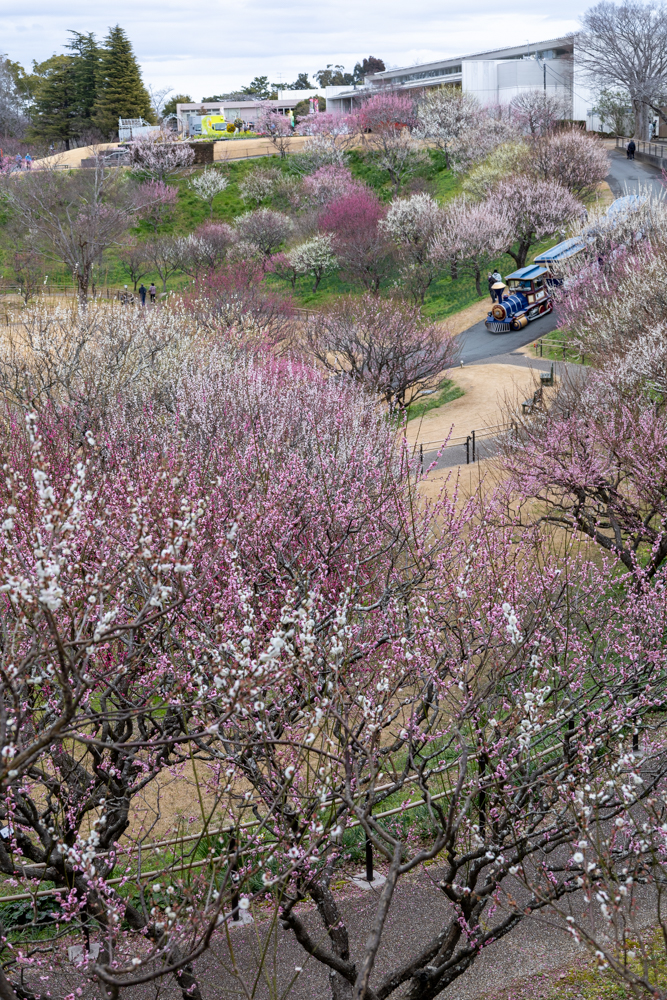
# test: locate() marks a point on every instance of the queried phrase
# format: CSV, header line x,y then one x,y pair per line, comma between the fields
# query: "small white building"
x,y
189,116
494,77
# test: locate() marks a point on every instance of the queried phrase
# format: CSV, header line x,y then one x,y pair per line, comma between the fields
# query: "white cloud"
x,y
211,46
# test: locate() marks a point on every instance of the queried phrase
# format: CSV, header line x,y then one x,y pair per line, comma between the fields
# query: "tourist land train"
x,y
529,289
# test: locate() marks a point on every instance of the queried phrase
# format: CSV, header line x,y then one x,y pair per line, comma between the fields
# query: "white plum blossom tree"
x,y
207,185
315,256
411,223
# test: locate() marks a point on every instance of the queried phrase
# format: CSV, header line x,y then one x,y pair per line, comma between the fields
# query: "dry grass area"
x,y
488,389
467,317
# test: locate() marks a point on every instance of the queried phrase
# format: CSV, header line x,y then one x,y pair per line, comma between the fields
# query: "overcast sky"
x,y
203,47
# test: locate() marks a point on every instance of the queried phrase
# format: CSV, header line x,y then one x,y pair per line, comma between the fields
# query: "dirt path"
x,y
488,389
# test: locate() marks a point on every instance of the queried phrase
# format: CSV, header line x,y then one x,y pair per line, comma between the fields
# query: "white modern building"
x,y
494,77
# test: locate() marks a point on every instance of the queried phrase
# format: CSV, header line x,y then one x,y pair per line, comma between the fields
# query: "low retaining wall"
x,y
654,153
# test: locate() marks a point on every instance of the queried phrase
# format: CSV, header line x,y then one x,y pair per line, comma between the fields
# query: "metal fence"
x,y
653,150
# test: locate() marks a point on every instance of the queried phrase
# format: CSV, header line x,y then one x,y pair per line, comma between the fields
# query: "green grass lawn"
x,y
445,297
445,394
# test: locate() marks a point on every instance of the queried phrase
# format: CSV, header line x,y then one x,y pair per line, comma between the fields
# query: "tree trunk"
x,y
478,285
6,991
640,120
340,988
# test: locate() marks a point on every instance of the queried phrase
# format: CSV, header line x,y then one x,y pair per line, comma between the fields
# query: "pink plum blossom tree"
x,y
267,229
157,155
535,209
330,183
537,112
157,202
574,159
472,238
596,460
277,127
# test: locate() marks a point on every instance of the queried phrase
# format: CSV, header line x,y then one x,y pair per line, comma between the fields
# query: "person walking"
x,y
152,291
631,149
496,286
28,161
19,161
142,293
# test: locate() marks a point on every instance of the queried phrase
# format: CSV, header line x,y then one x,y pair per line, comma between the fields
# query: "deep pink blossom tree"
x,y
363,249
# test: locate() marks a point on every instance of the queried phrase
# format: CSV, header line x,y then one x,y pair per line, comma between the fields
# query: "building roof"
x,y
527,273
507,52
561,251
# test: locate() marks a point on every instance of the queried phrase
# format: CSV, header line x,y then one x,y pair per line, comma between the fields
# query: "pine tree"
x,y
86,72
121,92
55,110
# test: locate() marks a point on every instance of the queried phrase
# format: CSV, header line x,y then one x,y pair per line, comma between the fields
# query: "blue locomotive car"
x,y
528,297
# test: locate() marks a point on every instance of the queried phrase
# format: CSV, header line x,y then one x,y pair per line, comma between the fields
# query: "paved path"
x,y
478,345
629,176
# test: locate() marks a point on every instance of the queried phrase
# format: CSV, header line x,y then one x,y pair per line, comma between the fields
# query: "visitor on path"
x,y
495,277
499,288
142,293
28,161
19,161
152,291
631,149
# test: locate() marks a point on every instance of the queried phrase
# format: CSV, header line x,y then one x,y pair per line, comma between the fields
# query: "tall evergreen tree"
x,y
121,92
55,108
86,73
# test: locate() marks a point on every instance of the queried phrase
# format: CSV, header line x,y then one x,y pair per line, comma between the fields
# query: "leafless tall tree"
x,y
385,346
74,219
625,46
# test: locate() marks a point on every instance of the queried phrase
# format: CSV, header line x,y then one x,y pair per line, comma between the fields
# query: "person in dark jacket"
x,y
631,149
142,292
